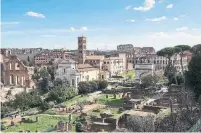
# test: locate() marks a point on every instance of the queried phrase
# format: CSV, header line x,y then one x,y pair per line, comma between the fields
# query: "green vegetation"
x,y
91,86
44,122
129,74
193,76
110,100
75,100
149,80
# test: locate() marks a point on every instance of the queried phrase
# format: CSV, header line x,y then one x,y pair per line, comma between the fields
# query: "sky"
x,y
105,23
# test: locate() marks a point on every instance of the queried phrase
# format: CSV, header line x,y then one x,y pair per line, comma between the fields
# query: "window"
x,y
107,62
104,62
73,82
64,70
78,80
10,66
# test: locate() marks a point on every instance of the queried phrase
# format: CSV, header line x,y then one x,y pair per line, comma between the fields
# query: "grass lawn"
x,y
130,74
43,123
75,100
111,101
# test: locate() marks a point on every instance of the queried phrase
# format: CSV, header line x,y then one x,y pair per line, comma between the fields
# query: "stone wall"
x,y
16,73
154,109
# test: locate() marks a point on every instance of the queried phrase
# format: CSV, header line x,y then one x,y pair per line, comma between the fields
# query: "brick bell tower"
x,y
81,49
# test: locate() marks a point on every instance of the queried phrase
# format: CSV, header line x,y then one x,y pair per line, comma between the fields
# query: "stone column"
x,y
10,79
15,80
22,80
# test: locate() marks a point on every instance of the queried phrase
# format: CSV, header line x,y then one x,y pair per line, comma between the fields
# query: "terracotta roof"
x,y
63,61
82,66
114,58
96,57
85,67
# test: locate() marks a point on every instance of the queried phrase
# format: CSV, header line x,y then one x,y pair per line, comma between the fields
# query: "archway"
x,y
11,79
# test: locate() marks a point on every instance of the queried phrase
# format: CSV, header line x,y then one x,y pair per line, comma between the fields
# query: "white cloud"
x,y
148,4
35,14
130,20
157,19
175,18
194,29
72,29
83,29
169,6
128,7
9,23
184,28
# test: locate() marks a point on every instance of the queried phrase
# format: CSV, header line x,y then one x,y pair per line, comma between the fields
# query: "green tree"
x,y
26,100
141,124
168,53
44,73
103,84
58,82
194,74
51,72
61,94
43,84
46,105
149,80
180,49
93,86
84,87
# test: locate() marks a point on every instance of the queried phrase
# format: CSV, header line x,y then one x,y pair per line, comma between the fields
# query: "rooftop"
x,y
64,61
113,58
85,67
95,57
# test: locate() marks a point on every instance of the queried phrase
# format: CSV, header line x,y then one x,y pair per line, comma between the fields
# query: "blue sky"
x,y
106,23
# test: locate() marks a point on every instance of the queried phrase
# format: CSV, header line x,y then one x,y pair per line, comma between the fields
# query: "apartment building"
x,y
46,58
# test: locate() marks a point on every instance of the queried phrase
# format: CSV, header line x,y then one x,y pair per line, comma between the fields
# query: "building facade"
x,y
14,72
114,65
47,57
88,72
67,69
161,62
74,73
125,47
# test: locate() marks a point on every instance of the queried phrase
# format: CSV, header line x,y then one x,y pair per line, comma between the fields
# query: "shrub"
x,y
103,84
3,127
61,94
88,87
46,105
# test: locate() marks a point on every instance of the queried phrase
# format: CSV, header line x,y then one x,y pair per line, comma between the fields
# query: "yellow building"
x,y
88,72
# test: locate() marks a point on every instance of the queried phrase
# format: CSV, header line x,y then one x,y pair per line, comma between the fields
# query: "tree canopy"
x,y
166,52
194,73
